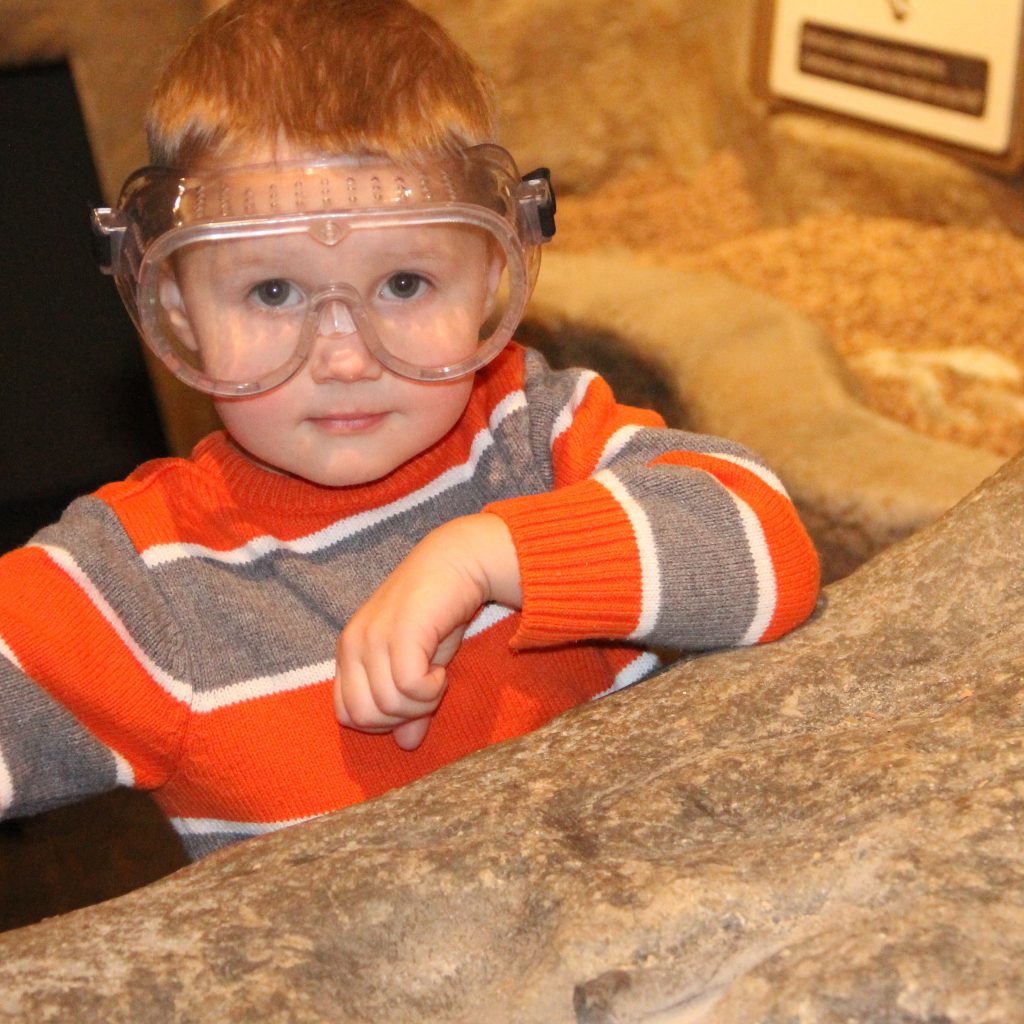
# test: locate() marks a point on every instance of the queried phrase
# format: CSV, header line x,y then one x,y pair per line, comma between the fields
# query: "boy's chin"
x,y
342,472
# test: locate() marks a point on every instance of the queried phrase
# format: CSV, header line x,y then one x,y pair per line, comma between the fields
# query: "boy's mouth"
x,y
349,423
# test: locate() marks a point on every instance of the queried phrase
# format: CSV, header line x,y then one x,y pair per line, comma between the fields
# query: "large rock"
x,y
595,89
826,829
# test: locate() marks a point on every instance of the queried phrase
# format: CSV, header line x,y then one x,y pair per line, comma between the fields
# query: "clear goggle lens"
x,y
238,312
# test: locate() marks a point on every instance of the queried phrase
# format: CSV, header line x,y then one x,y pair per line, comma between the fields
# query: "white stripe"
x,y
125,773
263,686
639,668
178,689
564,419
763,571
490,615
762,472
218,826
6,785
512,402
259,547
6,781
6,651
650,569
616,443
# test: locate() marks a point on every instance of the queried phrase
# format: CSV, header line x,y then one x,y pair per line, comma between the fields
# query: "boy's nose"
x,y
339,353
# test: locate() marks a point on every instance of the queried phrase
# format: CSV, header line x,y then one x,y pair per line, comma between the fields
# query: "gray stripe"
x,y
96,540
52,758
285,610
708,583
200,846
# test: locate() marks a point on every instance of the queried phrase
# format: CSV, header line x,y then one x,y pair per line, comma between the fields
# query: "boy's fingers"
x,y
448,647
416,676
354,703
409,735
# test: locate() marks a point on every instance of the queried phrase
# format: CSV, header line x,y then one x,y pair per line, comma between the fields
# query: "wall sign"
x,y
946,70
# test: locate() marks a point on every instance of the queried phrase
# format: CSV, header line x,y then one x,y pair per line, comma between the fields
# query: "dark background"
x,y
77,409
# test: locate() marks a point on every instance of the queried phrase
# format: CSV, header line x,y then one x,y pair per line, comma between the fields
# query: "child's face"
x,y
342,418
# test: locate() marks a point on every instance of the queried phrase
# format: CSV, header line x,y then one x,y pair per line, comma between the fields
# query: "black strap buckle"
x,y
545,209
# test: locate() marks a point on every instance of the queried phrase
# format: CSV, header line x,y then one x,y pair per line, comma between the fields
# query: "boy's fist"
x,y
392,655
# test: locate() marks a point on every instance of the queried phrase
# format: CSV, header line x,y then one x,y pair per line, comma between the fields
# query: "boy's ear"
x,y
495,269
174,307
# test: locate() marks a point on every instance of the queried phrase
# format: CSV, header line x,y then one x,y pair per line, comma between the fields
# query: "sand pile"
x,y
929,318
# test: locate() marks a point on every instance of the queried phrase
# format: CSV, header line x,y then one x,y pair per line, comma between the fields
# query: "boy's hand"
x,y
392,655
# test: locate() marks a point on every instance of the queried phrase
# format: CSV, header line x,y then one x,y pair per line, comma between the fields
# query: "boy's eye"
x,y
403,285
275,292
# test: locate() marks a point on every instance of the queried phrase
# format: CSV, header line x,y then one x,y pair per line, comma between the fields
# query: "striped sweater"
x,y
175,631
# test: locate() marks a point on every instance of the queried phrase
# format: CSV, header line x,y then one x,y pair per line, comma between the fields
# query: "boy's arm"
x,y
660,537
655,536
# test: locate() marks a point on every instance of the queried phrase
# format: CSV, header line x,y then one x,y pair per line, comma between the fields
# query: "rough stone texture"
x,y
822,830
750,368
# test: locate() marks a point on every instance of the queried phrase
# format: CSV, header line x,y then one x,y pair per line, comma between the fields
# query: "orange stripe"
x,y
169,511
601,593
576,452
71,651
269,759
284,756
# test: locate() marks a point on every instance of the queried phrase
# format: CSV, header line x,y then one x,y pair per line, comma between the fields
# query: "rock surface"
x,y
824,830
596,90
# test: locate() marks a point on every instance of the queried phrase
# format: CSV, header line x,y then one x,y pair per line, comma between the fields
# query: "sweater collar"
x,y
253,485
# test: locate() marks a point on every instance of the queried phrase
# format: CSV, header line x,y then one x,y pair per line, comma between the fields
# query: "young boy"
x,y
414,539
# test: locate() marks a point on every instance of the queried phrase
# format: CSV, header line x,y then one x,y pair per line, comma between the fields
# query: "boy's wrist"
x,y
484,544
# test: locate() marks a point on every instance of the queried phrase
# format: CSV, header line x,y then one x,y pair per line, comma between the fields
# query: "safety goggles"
x,y
233,276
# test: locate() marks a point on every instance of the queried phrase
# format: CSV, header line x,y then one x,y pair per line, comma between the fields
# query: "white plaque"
x,y
944,69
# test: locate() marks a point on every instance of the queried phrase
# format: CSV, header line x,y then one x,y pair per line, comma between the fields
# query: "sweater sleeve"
x,y
84,705
654,536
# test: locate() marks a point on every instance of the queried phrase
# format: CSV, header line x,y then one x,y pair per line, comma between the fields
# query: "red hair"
x,y
374,77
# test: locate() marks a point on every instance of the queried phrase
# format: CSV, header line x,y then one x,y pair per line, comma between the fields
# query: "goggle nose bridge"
x,y
337,311
335,319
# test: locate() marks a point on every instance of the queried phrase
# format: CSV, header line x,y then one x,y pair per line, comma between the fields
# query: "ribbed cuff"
x,y
578,565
